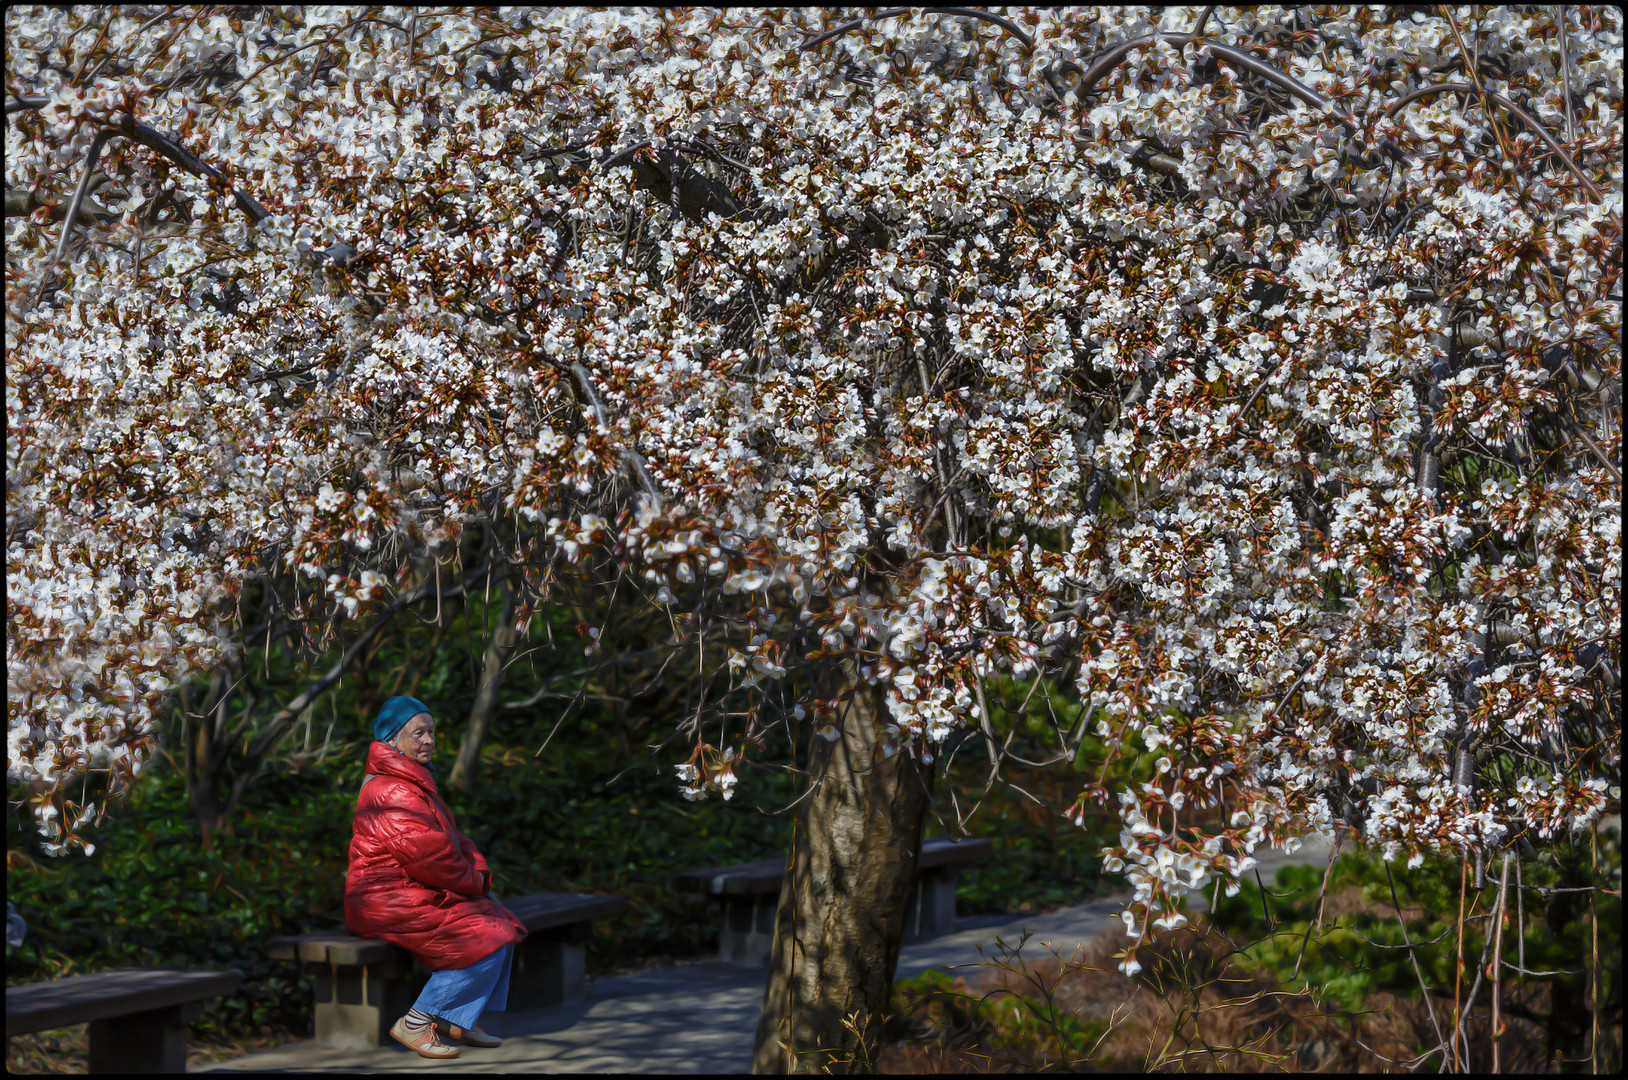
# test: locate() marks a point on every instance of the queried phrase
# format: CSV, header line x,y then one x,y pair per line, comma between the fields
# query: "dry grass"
x,y
1193,1008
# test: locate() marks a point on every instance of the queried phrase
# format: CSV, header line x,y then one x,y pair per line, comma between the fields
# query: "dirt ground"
x,y
64,1050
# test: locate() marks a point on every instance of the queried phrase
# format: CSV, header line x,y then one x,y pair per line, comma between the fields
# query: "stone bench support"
x,y
749,894
550,968
363,985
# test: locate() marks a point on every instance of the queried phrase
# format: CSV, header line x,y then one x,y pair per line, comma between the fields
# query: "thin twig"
x,y
1475,77
1458,967
1533,125
1236,420
1113,56
1424,989
1322,894
563,714
1565,73
1600,454
1520,916
238,89
1497,958
1481,970
1544,974
1594,956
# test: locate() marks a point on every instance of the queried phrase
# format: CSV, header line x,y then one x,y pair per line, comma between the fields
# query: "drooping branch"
x,y
970,13
1521,114
152,139
288,714
630,457
1114,56
163,144
1005,24
838,31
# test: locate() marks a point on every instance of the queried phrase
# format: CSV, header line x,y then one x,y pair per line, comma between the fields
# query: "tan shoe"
x,y
473,1037
423,1042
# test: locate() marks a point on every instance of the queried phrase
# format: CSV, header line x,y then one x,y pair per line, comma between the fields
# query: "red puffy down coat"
x,y
414,880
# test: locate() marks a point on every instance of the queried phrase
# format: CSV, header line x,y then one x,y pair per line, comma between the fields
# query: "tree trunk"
x,y
498,648
203,755
842,905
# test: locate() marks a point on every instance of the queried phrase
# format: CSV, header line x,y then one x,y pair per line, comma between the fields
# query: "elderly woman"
x,y
417,882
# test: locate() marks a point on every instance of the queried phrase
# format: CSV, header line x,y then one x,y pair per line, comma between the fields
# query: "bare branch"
x,y
72,215
288,714
838,31
630,456
1115,55
189,161
973,13
1532,124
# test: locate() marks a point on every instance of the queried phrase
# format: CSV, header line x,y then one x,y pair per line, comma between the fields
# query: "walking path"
x,y
698,1017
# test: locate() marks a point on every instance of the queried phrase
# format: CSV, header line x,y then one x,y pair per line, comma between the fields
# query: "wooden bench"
x,y
362,985
749,894
138,1017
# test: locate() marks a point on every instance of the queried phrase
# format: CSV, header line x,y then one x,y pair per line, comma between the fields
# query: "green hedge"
x,y
1364,953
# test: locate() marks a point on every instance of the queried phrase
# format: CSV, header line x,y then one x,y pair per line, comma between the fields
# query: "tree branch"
x,y
630,456
183,157
838,31
1521,114
1115,55
72,215
973,13
285,717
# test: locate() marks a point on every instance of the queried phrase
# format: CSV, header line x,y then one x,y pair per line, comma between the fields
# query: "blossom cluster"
x,y
1262,378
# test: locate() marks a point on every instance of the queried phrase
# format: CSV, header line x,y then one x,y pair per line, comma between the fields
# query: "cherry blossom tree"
x,y
1255,372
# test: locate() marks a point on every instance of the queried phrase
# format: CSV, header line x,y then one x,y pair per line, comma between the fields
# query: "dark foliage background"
x,y
597,811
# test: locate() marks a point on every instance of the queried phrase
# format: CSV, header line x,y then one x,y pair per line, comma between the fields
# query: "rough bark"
x,y
842,905
498,647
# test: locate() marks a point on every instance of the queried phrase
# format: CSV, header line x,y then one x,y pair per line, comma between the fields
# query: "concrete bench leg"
x,y
746,932
931,911
356,1005
550,967
149,1042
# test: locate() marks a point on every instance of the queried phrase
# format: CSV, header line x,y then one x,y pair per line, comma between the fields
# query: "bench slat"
x,y
944,852
538,911
330,947
760,878
746,879
545,911
106,994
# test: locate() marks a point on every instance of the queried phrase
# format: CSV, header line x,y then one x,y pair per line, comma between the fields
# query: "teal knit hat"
x,y
393,716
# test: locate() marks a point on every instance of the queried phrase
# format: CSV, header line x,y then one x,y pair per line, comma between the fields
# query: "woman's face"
x,y
417,738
